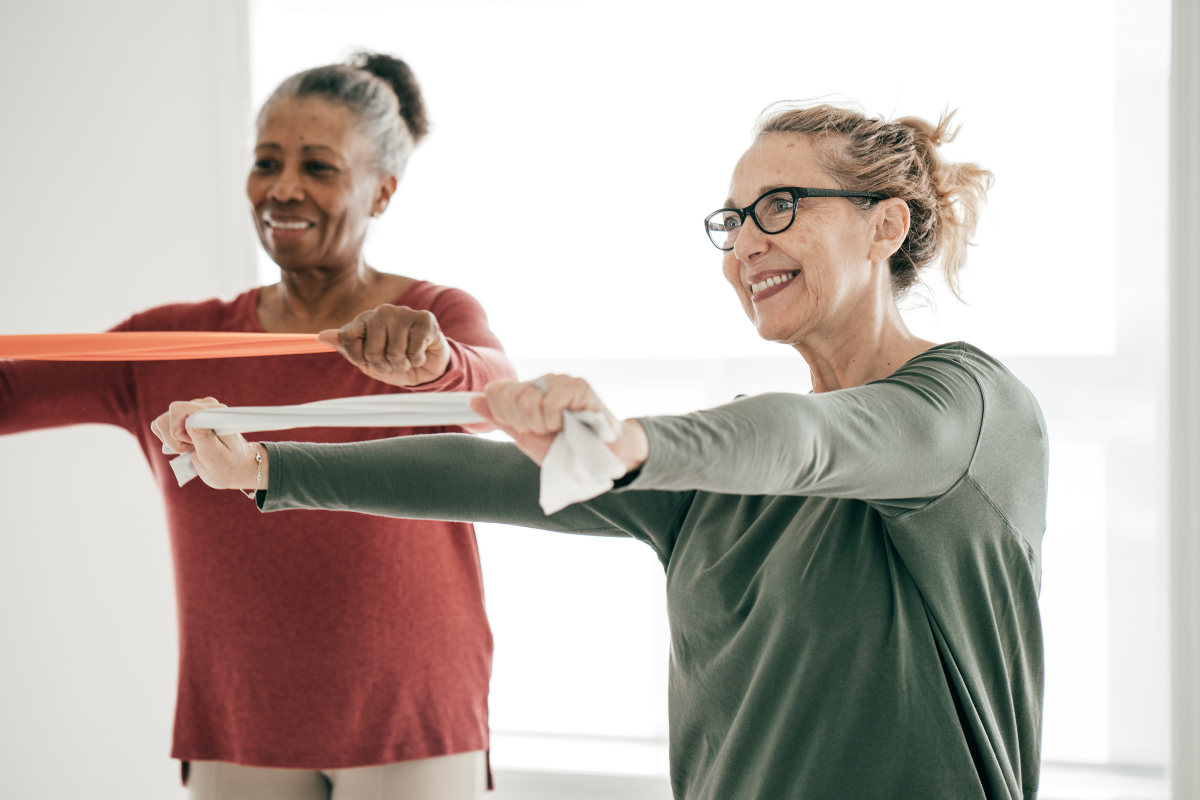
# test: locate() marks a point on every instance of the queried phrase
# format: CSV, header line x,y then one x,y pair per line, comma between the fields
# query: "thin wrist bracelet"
x,y
258,482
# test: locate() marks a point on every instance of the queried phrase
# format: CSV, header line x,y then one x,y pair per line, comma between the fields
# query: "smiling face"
x,y
314,185
819,276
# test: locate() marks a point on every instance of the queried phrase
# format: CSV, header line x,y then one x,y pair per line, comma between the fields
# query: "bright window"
x,y
552,118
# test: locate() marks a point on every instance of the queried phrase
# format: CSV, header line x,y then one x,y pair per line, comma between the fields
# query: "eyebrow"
x,y
769,188
307,147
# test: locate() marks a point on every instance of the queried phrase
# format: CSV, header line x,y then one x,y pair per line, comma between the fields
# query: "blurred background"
x,y
127,126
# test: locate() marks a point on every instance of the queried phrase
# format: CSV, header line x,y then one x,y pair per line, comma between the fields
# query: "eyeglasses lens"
x,y
723,228
775,211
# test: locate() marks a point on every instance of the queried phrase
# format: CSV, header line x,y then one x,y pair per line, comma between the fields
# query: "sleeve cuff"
x,y
263,497
642,477
450,381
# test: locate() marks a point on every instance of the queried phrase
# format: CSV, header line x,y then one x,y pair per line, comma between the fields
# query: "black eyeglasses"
x,y
774,212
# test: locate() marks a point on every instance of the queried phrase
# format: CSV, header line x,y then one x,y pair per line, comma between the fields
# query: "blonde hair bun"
x,y
896,159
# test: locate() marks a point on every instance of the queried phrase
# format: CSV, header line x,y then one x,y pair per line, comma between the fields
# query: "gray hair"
x,y
380,90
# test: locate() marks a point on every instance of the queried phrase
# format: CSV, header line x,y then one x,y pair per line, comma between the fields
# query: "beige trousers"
x,y
462,776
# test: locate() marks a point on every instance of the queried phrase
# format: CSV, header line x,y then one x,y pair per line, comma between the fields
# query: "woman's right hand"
x,y
222,462
531,412
394,344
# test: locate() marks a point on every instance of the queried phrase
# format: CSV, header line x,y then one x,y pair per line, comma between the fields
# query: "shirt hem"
x,y
344,762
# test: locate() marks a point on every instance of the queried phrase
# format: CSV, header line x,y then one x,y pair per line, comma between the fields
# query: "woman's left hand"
x,y
531,412
223,462
393,344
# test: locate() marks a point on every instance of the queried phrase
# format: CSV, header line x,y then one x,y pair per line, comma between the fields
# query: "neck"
x,y
314,296
868,348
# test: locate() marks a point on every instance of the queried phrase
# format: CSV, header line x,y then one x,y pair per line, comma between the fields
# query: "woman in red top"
x,y
320,652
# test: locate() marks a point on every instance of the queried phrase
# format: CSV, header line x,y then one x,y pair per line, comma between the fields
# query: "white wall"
x,y
1185,400
124,130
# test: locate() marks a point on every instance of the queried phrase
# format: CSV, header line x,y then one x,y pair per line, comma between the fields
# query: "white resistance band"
x,y
578,467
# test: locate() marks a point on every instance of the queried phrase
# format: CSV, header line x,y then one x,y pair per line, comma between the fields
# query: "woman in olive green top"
x,y
852,575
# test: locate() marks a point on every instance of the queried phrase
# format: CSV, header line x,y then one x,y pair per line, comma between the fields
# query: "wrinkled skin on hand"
x,y
394,344
533,417
222,462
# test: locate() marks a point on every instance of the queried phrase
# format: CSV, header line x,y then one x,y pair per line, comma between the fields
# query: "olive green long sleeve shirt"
x,y
852,576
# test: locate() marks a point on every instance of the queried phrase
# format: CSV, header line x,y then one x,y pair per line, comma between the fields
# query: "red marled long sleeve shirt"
x,y
309,639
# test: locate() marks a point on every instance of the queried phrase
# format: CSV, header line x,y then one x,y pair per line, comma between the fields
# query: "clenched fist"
x,y
393,344
531,412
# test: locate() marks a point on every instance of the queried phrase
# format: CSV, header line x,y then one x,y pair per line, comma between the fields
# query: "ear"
x,y
889,220
383,193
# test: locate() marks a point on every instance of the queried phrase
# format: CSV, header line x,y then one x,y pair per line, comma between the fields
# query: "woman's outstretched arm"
x,y
51,394
911,435
446,476
449,477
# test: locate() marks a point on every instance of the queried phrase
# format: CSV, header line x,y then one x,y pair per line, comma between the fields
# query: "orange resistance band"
x,y
157,345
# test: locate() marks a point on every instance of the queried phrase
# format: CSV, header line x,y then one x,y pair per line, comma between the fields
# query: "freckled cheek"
x,y
799,243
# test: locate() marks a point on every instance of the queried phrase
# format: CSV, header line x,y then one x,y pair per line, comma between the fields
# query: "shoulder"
x,y
956,355
441,300
460,316
1000,388
972,375
1011,460
206,315
960,379
427,294
964,364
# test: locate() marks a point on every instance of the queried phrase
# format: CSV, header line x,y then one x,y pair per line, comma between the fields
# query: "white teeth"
x,y
289,226
772,281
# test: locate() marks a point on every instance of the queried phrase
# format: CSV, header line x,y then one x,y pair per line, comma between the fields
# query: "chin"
x,y
293,261
770,334
785,332
772,328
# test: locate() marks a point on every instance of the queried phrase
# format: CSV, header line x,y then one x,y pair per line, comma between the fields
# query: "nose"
x,y
287,186
751,243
